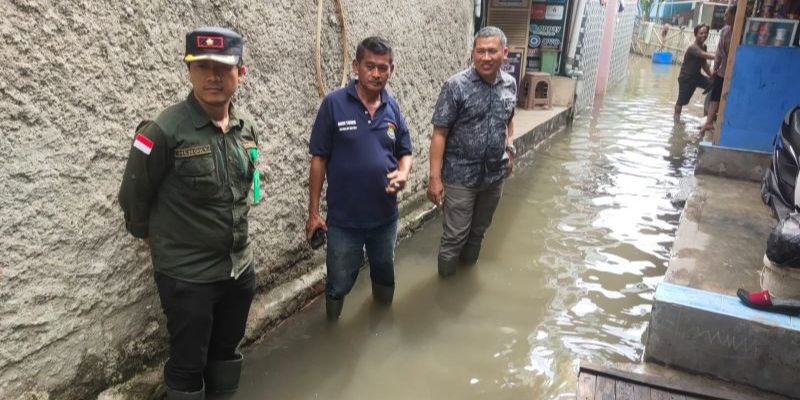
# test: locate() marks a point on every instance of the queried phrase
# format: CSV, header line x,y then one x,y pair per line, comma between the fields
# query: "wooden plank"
x,y
736,38
625,391
656,394
605,389
586,384
641,392
654,381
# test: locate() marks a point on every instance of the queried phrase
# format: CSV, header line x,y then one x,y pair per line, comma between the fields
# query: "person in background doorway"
x,y
690,78
360,143
720,64
472,149
185,193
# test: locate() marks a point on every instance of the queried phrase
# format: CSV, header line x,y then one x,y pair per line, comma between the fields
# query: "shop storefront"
x,y
536,31
583,45
763,82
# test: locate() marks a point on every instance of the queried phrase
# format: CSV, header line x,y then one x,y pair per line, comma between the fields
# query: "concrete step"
x,y
714,334
697,323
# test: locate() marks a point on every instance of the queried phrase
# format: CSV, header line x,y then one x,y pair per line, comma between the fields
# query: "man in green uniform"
x,y
185,193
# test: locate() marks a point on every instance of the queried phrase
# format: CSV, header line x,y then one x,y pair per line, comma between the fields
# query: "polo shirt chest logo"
x,y
390,127
349,125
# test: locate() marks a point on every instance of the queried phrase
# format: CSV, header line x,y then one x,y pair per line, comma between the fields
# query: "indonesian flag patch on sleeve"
x,y
142,143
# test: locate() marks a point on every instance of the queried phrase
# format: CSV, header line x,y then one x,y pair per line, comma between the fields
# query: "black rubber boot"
x,y
447,267
469,254
333,308
382,294
178,395
223,376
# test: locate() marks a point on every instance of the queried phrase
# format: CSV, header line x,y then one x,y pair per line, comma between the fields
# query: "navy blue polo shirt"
x,y
360,151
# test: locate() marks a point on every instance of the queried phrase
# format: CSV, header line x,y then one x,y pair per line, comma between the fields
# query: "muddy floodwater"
x,y
567,273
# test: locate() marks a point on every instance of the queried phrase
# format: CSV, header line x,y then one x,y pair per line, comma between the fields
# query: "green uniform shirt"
x,y
185,187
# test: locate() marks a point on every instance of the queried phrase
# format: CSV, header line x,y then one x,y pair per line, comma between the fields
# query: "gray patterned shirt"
x,y
477,115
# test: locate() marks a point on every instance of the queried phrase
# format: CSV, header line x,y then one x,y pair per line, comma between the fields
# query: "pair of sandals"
x,y
765,302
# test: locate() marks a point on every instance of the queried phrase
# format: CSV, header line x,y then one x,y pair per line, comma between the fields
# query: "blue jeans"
x,y
346,254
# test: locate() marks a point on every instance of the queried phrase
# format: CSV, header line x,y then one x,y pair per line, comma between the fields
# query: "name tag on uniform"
x,y
187,152
349,125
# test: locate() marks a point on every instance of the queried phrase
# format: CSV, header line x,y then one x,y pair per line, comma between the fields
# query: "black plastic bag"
x,y
783,245
778,183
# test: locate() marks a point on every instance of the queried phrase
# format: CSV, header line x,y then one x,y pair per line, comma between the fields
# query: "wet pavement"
x,y
568,271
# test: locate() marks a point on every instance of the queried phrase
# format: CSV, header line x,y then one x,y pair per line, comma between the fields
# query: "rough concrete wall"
x,y
78,305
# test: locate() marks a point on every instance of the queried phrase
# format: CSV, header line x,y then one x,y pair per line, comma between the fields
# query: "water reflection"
x,y
610,225
568,272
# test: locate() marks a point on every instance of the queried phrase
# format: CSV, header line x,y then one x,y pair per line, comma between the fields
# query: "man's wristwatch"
x,y
511,150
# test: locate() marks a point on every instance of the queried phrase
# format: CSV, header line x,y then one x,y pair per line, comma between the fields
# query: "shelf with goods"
x,y
772,23
760,80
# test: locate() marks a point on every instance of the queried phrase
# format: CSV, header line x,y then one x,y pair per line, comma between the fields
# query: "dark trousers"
x,y
466,216
206,322
687,86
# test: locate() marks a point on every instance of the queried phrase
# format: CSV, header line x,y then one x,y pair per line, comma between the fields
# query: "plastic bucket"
x,y
662,57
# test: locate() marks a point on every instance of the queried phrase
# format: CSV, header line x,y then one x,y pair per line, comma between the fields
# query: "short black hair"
x,y
374,44
701,26
732,10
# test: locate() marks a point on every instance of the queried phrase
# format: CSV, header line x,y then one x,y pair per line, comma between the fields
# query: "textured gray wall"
x,y
78,309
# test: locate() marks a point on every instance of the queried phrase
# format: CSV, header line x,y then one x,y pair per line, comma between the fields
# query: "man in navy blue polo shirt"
x,y
360,142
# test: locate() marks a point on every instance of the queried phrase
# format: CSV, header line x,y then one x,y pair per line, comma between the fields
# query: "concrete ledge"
x,y
532,136
715,334
697,324
732,163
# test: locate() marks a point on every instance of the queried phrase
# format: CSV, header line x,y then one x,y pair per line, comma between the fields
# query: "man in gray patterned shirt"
x,y
472,148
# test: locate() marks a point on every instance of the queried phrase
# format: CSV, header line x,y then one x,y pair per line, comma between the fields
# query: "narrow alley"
x,y
579,242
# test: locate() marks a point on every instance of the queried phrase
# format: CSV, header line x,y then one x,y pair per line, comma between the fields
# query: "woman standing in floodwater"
x,y
690,77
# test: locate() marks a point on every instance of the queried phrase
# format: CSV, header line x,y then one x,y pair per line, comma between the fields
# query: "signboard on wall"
x,y
554,12
513,64
510,3
534,59
534,64
546,31
538,11
549,33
